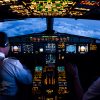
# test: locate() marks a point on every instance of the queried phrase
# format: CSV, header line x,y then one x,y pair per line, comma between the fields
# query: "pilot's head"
x,y
4,44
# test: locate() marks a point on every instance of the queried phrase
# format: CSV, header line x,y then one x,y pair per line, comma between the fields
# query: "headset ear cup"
x,y
3,39
2,55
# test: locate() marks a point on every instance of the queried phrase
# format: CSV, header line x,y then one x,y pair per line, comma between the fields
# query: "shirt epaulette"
x,y
12,58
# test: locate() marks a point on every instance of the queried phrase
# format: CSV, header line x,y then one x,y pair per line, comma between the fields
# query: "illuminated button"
x,y
62,57
38,39
64,39
63,49
42,39
7,0
93,47
49,99
34,39
56,39
41,49
49,91
61,39
59,50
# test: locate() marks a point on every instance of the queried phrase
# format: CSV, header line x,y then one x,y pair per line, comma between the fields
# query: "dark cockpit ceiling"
x,y
50,8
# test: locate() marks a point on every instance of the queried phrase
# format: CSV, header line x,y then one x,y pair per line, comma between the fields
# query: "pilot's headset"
x,y
3,43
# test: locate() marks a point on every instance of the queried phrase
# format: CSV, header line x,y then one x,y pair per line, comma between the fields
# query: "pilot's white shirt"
x,y
93,92
10,72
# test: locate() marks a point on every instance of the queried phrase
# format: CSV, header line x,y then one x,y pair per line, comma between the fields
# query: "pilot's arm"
x,y
93,92
73,72
19,72
22,74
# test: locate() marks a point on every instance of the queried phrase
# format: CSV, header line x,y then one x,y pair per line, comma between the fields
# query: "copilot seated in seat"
x,y
11,72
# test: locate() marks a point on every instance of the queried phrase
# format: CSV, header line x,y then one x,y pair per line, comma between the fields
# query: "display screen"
x,y
50,58
23,27
27,48
50,47
83,49
80,27
16,48
70,48
60,68
38,68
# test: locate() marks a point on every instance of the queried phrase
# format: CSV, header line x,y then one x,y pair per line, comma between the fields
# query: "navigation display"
x,y
28,48
70,48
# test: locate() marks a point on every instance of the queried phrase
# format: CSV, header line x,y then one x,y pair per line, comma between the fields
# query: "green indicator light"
x,y
48,36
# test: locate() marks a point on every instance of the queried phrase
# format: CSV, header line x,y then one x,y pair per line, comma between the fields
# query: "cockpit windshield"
x,y
23,27
81,27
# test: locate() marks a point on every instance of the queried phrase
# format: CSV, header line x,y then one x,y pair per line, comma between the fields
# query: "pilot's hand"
x,y
72,70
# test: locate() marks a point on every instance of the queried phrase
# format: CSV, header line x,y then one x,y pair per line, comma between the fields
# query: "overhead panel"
x,y
49,8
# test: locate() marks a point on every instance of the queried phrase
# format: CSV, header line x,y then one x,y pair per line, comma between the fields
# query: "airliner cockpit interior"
x,y
45,43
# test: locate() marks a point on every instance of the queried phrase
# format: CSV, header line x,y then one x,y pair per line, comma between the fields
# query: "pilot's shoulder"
x,y
12,63
12,60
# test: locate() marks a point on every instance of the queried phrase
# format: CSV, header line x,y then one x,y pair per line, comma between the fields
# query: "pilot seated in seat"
x,y
11,72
